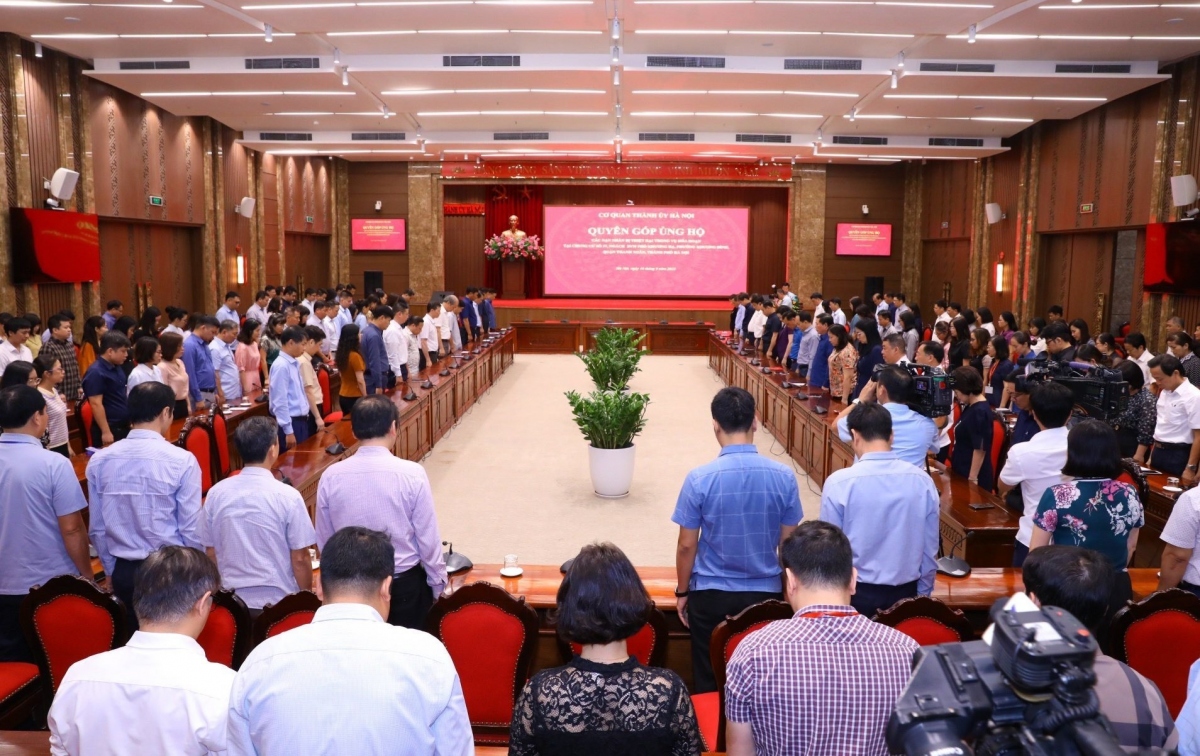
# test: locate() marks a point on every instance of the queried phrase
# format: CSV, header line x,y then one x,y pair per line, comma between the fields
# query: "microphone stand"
x,y
455,561
337,447
952,565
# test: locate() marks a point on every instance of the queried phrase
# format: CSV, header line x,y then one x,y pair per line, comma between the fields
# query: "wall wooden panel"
x,y
464,236
847,189
306,192
270,216
163,258
41,108
1105,157
946,211
1003,236
944,266
139,150
238,230
768,215
306,260
1077,274
386,183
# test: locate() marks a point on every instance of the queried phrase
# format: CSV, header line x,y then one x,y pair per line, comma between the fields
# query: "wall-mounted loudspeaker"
x,y
994,213
62,184
246,207
1183,190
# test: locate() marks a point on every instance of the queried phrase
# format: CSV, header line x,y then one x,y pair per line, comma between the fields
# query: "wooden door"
x,y
306,260
1077,272
144,264
944,264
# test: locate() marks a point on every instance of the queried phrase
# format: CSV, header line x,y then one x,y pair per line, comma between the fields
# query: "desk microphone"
x,y
428,384
455,562
411,396
337,447
952,565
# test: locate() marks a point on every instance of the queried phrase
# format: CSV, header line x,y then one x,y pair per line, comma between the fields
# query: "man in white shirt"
x,y
258,310
158,693
12,348
431,342
758,320
412,330
390,689
228,311
395,342
1037,464
332,330
316,314
258,530
448,322
1135,345
939,309
1181,555
835,310
1177,430
817,300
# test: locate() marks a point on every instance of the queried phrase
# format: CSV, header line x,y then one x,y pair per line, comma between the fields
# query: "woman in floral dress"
x,y
1093,510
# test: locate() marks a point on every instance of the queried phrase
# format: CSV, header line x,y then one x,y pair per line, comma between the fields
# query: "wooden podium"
x,y
512,279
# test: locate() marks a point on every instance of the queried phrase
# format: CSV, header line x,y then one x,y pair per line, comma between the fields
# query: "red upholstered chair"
x,y
955,416
221,437
999,446
293,610
710,707
927,335
20,693
1159,636
327,413
927,620
491,636
226,636
197,437
648,645
85,421
69,619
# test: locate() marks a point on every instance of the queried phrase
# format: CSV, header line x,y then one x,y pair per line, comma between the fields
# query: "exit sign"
x,y
1087,207
308,219
156,201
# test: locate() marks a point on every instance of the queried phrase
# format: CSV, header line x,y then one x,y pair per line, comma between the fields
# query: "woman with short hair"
x,y
1136,424
147,353
603,701
50,374
972,457
173,371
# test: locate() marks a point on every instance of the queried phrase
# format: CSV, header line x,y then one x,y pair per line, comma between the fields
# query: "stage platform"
x,y
512,311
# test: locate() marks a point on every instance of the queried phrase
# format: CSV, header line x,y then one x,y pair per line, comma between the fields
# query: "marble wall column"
x,y
426,248
339,241
910,243
806,259
977,267
1025,254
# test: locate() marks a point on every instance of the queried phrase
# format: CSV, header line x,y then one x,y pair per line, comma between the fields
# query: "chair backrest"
x,y
323,382
1159,637
648,645
927,620
999,445
927,334
728,635
226,636
955,416
491,637
197,437
69,619
293,610
221,437
1131,473
85,420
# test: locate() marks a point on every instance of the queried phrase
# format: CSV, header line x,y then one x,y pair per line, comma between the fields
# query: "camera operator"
x,y
1080,581
1177,428
914,435
1037,464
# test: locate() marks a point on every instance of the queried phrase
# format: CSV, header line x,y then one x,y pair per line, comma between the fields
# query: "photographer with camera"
x,y
888,508
1177,428
914,435
1080,581
1037,464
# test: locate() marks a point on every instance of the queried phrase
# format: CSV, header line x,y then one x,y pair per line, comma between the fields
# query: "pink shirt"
x,y
247,358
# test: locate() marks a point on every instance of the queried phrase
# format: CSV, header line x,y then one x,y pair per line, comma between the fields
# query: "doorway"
x,y
1077,273
145,264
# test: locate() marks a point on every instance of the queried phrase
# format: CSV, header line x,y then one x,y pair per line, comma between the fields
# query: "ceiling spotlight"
x,y
337,56
616,28
37,49
616,77
820,135
386,113
971,34
853,112
616,54
268,33
346,76
900,61
895,80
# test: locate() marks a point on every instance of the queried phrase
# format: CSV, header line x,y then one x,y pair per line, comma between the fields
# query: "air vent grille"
x,y
1093,68
821,64
683,61
958,67
155,65
520,136
377,136
954,142
284,136
261,64
485,61
662,136
837,139
765,138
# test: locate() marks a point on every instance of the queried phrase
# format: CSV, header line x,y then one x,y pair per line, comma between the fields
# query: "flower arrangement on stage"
x,y
501,247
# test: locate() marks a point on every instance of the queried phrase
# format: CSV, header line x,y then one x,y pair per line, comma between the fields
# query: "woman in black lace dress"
x,y
604,701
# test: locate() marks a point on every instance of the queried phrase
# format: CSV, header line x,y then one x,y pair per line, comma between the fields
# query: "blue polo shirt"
x,y
738,502
818,370
107,381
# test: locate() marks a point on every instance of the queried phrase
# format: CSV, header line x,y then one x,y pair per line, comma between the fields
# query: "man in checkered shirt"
x,y
825,681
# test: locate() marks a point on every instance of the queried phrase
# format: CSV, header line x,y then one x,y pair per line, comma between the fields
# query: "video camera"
x,y
1101,392
1029,692
932,391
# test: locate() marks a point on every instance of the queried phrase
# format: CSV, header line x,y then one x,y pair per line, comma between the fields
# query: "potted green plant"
x,y
610,420
615,358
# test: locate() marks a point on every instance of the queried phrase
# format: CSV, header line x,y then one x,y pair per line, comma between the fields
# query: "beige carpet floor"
x,y
512,476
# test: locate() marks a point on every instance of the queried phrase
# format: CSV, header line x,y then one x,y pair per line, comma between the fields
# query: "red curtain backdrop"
x,y
525,202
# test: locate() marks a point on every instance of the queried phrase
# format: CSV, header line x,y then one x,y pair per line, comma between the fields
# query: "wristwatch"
x,y
1191,467
681,594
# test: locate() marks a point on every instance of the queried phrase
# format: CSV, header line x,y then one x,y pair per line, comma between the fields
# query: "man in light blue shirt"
x,y
1188,721
202,376
732,514
804,344
228,311
889,510
144,491
42,534
229,378
389,689
287,401
915,436
739,320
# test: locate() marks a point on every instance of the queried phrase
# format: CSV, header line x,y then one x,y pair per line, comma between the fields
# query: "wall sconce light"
x,y
1000,274
241,268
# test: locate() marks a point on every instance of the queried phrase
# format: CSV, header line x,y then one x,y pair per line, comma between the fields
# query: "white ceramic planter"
x,y
612,471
